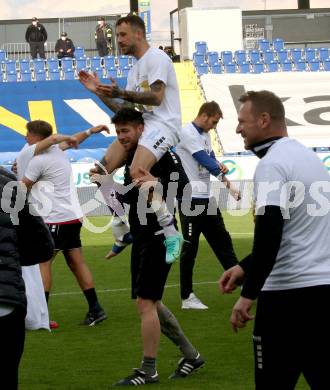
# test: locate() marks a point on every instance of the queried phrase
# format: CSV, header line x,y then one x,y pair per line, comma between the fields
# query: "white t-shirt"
x,y
152,66
54,194
192,141
23,159
303,259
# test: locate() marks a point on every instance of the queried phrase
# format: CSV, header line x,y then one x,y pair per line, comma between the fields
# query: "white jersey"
x,y
191,141
152,66
54,193
303,259
23,159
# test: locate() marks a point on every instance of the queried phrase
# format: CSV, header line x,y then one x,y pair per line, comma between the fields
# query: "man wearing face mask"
x,y
103,37
64,46
36,36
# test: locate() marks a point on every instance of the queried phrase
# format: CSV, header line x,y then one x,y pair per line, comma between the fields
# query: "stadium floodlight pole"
x,y
303,4
134,6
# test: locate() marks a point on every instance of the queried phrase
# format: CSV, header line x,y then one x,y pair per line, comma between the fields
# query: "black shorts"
x,y
66,236
148,267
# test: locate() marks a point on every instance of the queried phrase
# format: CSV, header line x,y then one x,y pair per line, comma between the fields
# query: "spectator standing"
x,y
64,46
36,36
103,37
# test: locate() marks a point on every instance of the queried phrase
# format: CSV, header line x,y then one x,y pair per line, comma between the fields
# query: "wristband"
x,y
88,132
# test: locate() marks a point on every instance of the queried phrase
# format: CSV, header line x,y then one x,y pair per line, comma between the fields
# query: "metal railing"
x,y
20,50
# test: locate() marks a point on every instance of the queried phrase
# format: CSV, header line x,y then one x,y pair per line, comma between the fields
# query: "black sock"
x,y
148,365
47,296
91,297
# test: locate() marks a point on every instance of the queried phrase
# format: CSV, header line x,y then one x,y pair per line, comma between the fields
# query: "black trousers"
x,y
210,223
12,336
37,47
291,337
102,48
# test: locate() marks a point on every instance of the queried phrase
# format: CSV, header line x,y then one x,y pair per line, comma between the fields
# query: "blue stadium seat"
x,y
202,69
69,74
254,56
38,64
286,66
240,56
268,56
244,67
79,52
273,66
123,61
201,47
216,68
323,53
81,63
282,55
99,72
310,54
66,63
109,62
226,57
3,55
230,67
1,76
112,72
258,67
54,75
198,58
212,57
95,62
278,44
26,75
24,65
296,54
326,64
124,71
10,65
314,65
300,65
11,76
40,75
264,44
52,63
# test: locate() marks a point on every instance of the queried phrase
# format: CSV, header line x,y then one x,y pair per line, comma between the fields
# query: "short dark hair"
x,y
39,127
265,101
210,109
134,21
128,115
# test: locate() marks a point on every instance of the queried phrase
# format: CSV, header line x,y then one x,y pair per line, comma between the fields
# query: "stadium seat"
x,y
112,72
95,62
124,71
109,62
66,63
268,56
273,66
54,74
230,67
123,61
264,44
300,65
212,57
99,72
216,68
40,75
202,69
278,44
69,74
38,64
282,55
52,63
79,52
244,67
11,76
258,67
226,57
323,53
81,63
10,66
240,56
326,64
1,76
201,47
198,58
310,54
254,56
24,65
296,54
26,75
3,55
286,66
314,65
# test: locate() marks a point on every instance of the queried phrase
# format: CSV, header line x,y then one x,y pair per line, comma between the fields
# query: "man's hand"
x,y
99,128
88,80
111,91
240,314
231,279
146,179
223,168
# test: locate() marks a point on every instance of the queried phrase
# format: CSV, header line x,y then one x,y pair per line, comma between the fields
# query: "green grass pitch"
x,y
74,357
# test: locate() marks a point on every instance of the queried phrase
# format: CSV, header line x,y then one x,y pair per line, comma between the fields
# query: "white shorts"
x,y
157,138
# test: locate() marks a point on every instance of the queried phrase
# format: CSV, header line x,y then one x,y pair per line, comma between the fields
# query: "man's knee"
x,y
145,305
